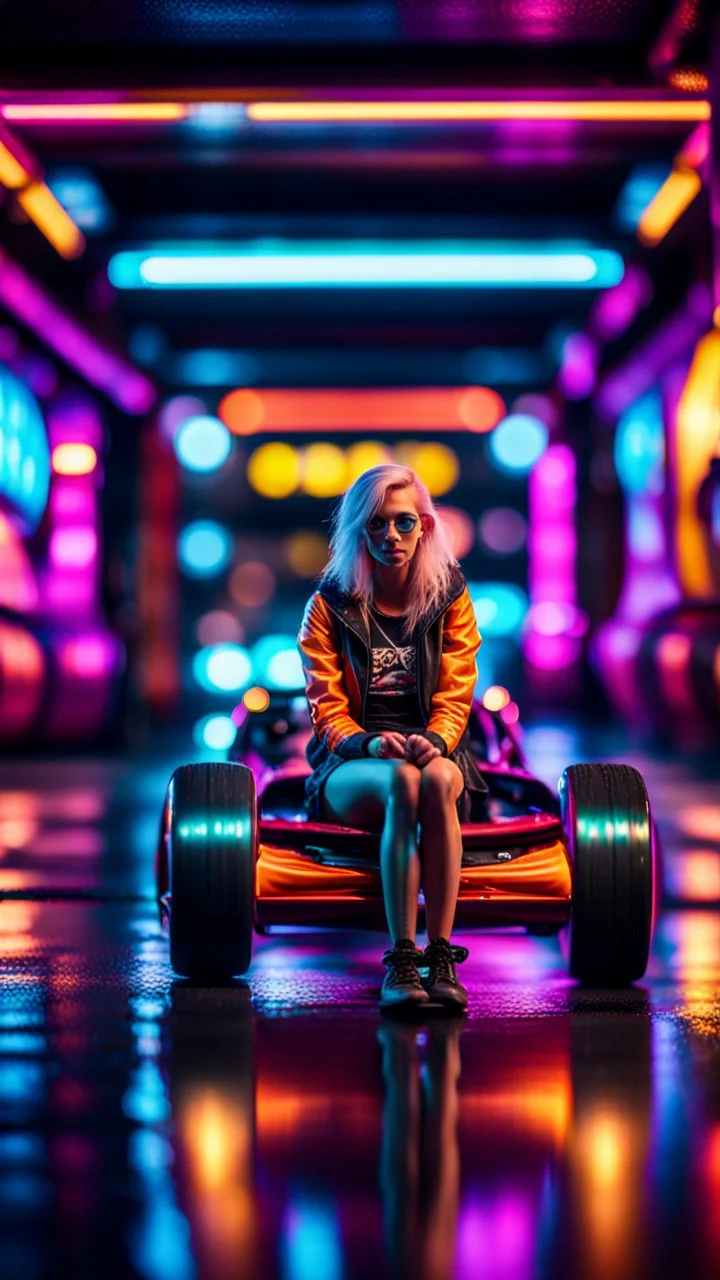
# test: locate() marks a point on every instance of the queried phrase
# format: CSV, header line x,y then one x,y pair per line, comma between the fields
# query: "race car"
x,y
237,854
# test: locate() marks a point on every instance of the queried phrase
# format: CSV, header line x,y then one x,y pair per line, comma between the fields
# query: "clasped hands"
x,y
397,746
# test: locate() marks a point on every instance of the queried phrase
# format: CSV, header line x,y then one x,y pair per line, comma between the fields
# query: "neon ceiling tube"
x,y
368,264
639,110
390,110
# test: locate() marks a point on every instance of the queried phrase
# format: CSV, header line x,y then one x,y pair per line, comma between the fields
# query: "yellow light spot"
x,y
12,173
73,459
362,457
51,219
670,202
307,553
698,425
273,470
256,699
588,109
323,470
438,467
242,411
690,79
252,583
495,698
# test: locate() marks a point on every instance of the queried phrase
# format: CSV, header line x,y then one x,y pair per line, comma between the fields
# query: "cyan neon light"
x,y
368,264
24,453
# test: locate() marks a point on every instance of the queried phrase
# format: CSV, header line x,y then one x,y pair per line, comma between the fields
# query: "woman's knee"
x,y
441,781
404,784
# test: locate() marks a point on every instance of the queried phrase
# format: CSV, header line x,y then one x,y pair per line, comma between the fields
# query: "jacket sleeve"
x,y
324,685
452,700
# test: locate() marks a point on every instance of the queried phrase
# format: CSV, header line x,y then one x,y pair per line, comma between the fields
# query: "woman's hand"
x,y
387,746
419,750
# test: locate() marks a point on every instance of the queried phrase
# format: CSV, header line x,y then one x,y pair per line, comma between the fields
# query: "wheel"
x,y
212,849
606,815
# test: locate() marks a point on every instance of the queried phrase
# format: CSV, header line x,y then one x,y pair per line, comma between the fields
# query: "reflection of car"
x,y
237,854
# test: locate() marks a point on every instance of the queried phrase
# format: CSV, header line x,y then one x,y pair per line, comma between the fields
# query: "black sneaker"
x,y
402,988
441,983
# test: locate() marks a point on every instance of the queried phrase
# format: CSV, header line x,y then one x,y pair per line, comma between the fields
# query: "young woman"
x,y
388,645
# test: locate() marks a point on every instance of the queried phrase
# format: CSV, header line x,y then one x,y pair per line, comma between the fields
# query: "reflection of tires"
x,y
607,819
213,839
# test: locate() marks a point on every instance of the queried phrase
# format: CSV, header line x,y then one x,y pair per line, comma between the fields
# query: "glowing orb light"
x,y
204,549
222,668
517,443
203,443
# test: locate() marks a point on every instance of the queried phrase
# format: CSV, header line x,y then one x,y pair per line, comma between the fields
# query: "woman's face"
x,y
394,530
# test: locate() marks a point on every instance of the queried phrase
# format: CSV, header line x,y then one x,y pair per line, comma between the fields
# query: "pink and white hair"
x,y
350,565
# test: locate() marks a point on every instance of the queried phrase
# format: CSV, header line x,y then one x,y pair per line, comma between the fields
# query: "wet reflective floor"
x,y
282,1128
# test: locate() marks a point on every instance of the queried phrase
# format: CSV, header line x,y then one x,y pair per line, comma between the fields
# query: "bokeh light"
x,y
256,698
219,626
323,470
511,713
365,455
500,607
178,410
503,530
242,411
557,618
539,406
273,470
495,698
252,583
284,670
459,528
204,549
203,443
480,409
640,446
517,443
307,553
276,661
437,466
222,668
216,733
73,459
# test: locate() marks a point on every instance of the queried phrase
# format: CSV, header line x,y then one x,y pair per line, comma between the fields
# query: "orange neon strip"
x,y
670,202
338,112
51,219
698,425
247,412
67,112
12,173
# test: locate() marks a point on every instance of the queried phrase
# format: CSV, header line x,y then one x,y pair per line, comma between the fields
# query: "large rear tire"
x,y
607,819
212,849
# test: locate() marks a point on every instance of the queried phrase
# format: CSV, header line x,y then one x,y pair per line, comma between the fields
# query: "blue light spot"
x,y
217,733
222,668
211,368
204,549
311,1245
284,670
517,443
640,446
24,453
203,443
499,607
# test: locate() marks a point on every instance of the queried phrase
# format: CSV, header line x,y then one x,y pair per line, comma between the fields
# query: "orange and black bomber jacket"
x,y
334,645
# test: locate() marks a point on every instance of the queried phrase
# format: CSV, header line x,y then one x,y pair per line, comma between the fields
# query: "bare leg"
x,y
384,795
440,844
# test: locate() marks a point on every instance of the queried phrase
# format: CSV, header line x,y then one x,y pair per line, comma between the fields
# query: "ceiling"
x,y
233,180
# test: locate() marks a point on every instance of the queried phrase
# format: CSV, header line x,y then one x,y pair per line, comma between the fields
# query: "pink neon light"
x,y
555,625
89,655
102,368
73,548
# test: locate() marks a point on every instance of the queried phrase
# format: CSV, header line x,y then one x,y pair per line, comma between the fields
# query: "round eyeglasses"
x,y
403,524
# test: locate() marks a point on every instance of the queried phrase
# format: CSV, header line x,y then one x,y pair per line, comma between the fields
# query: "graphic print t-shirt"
x,y
393,701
